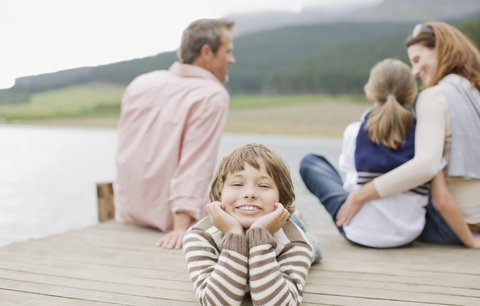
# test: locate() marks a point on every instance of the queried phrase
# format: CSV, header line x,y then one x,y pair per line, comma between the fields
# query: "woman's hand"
x,y
223,221
476,242
273,221
355,201
350,208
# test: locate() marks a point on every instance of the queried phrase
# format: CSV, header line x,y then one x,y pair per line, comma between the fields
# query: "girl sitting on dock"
x,y
382,141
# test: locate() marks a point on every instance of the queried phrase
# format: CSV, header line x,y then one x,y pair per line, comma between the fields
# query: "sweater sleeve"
x,y
219,278
432,114
276,280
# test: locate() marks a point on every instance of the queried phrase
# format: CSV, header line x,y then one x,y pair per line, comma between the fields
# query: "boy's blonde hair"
x,y
392,87
254,155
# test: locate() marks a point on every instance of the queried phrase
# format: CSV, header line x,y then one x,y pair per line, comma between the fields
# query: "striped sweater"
x,y
269,269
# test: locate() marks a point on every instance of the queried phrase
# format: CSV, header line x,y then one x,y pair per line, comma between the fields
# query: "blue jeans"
x,y
323,180
317,254
436,230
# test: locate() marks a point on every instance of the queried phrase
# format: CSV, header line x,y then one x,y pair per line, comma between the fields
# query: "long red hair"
x,y
456,53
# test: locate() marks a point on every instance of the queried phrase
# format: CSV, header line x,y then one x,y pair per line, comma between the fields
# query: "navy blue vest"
x,y
372,160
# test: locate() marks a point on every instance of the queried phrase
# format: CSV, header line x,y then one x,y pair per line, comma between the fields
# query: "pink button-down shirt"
x,y
168,137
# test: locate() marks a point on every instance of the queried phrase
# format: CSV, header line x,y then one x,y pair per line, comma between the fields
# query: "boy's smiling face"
x,y
249,194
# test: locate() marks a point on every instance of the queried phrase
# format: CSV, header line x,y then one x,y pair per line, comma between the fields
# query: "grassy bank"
x,y
99,106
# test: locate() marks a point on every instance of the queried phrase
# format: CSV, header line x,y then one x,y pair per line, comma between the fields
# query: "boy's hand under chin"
x,y
273,221
223,221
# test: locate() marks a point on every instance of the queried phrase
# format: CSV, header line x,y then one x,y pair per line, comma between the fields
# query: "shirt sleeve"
x,y
429,142
189,185
276,280
218,278
346,161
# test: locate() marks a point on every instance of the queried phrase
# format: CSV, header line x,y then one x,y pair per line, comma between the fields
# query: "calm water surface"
x,y
48,175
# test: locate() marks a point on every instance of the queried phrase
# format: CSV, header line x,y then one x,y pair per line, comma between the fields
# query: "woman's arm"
x,y
429,140
218,278
277,280
446,205
430,133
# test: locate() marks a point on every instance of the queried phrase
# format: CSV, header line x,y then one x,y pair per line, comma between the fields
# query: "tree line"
x,y
327,58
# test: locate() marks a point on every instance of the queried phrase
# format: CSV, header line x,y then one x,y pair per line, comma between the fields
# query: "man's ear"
x,y
206,51
205,57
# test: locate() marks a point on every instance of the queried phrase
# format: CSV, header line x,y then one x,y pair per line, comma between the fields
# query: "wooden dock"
x,y
114,264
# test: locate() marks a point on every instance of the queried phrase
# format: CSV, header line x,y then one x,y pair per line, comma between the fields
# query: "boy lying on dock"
x,y
248,247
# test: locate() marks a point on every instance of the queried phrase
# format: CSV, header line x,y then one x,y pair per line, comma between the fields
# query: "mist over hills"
x,y
310,51
417,10
385,11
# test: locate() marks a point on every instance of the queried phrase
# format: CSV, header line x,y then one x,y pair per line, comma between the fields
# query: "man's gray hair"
x,y
199,33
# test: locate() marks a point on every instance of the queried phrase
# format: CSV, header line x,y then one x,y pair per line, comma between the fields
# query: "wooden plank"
x,y
132,295
16,297
116,264
128,297
380,294
429,283
340,300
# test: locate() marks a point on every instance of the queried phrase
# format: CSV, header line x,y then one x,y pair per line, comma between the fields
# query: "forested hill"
x,y
332,57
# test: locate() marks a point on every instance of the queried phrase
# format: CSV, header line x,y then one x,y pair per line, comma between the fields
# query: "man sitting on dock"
x,y
169,131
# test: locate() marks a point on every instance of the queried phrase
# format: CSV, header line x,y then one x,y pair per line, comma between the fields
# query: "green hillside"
x,y
72,101
327,58
99,103
261,58
338,69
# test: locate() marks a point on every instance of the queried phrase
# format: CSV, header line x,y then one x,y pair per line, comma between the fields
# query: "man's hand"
x,y
273,221
174,239
223,221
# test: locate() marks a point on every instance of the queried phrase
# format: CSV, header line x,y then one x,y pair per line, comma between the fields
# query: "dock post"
x,y
105,198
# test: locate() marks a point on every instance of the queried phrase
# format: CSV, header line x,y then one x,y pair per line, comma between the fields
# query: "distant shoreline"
x,y
322,119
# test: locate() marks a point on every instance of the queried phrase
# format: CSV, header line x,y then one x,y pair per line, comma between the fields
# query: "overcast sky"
x,y
39,36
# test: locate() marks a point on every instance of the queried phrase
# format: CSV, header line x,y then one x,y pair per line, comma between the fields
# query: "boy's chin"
x,y
246,221
246,224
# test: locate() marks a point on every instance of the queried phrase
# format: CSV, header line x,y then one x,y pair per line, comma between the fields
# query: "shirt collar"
x,y
192,71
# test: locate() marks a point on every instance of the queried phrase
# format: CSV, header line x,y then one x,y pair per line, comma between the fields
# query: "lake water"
x,y
48,175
